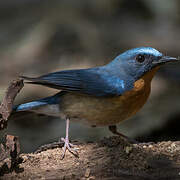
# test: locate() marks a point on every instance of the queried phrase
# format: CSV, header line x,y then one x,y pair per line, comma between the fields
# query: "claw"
x,y
67,145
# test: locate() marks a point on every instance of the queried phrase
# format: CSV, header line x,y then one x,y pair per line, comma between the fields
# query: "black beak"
x,y
165,59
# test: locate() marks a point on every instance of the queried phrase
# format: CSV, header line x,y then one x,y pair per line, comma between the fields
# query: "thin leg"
x,y
67,144
113,129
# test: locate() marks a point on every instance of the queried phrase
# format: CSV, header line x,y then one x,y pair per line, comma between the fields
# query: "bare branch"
x,y
7,103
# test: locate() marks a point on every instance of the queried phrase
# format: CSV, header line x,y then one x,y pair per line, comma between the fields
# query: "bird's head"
x,y
136,62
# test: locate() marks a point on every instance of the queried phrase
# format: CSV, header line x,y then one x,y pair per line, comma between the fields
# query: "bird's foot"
x,y
70,147
113,129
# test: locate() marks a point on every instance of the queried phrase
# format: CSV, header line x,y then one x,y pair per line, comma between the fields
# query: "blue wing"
x,y
93,81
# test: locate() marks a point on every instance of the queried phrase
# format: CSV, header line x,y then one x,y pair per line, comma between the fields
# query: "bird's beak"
x,y
166,59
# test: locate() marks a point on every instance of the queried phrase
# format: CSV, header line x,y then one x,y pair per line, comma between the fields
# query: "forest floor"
x,y
110,158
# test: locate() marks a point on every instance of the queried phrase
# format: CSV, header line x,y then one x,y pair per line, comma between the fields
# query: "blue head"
x,y
136,62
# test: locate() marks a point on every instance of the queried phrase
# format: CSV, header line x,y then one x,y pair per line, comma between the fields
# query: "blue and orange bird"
x,y
99,96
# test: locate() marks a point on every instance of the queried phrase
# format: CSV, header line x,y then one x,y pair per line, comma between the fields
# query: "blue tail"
x,y
48,106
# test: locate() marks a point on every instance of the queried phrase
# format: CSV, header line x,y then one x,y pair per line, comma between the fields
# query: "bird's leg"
x,y
113,129
67,144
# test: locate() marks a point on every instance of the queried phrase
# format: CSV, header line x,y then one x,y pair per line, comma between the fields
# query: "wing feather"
x,y
88,81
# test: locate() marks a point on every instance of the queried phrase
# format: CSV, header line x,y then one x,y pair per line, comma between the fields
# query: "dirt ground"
x,y
110,158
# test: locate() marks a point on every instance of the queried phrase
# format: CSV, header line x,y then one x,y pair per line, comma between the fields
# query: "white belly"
x,y
50,110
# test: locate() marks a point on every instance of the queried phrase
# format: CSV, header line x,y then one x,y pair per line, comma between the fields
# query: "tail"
x,y
32,80
40,81
48,106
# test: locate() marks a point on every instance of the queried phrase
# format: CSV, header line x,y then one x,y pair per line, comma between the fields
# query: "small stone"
x,y
128,149
25,158
87,173
150,146
135,145
173,145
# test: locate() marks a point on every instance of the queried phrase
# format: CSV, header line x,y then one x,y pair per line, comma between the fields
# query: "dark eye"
x,y
140,58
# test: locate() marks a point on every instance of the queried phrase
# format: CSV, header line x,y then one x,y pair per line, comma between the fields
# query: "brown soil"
x,y
111,158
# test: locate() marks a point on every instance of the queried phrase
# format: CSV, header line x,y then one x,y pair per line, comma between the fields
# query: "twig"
x,y
7,102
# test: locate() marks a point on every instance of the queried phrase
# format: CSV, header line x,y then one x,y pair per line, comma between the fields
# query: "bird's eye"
x,y
140,58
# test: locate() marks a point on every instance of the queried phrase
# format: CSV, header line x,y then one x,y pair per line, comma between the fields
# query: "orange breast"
x,y
137,97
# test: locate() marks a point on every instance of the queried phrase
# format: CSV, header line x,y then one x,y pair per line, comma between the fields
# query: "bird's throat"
x,y
145,80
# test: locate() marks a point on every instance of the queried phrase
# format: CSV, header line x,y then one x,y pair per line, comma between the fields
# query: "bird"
x,y
99,96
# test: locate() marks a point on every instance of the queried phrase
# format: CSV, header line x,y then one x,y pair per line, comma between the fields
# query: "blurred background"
x,y
42,36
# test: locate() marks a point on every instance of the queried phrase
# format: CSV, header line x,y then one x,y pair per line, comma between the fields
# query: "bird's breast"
x,y
103,111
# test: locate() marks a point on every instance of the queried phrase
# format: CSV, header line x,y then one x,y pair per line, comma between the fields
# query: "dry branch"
x,y
7,103
9,155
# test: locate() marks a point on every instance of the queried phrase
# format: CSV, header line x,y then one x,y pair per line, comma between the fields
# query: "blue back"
x,y
112,79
